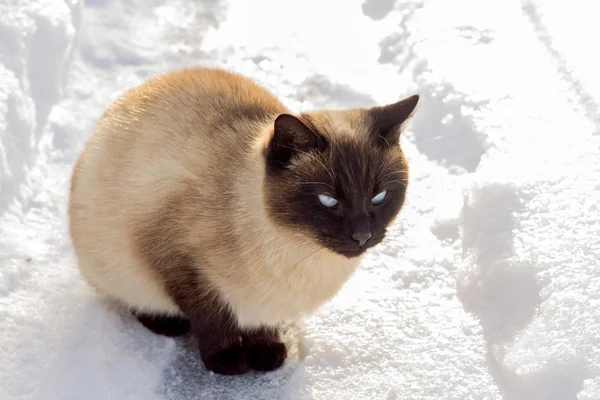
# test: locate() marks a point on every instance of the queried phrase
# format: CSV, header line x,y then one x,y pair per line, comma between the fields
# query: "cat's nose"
x,y
361,237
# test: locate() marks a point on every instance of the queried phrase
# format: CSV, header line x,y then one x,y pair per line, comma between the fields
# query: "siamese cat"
x,y
202,204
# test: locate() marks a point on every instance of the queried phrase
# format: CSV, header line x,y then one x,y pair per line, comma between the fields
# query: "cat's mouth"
x,y
352,250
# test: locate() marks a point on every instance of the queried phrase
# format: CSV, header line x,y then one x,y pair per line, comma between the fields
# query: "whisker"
x,y
282,267
382,178
397,181
310,254
383,166
386,141
311,156
322,164
317,183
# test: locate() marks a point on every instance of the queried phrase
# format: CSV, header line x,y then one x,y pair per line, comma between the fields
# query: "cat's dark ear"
x,y
290,137
386,121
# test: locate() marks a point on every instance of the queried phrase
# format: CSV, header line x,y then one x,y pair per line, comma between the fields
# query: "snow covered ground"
x,y
489,284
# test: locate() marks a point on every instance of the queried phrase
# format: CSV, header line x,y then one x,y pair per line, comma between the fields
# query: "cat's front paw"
x,y
229,361
266,356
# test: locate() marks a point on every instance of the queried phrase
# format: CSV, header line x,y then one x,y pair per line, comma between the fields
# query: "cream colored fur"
x,y
149,146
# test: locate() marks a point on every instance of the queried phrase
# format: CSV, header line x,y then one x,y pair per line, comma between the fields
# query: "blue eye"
x,y
327,201
379,197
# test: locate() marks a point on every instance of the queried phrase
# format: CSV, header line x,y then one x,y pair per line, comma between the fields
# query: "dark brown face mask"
x,y
341,189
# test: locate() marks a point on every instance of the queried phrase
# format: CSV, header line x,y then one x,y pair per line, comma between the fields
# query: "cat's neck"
x,y
252,218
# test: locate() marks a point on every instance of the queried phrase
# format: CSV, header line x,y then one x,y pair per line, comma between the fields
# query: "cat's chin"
x,y
350,253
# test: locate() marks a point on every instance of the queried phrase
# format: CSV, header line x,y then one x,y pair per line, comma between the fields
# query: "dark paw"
x,y
230,361
267,356
164,325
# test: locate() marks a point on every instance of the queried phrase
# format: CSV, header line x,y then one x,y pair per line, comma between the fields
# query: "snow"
x,y
488,286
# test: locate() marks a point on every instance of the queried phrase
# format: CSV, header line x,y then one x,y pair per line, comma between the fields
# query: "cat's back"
x,y
184,106
175,127
186,127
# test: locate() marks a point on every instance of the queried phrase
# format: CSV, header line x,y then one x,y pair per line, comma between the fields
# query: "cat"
x,y
201,203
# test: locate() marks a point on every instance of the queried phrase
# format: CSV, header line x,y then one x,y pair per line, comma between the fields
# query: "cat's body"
x,y
193,201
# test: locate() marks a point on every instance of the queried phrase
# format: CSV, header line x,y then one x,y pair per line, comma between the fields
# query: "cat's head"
x,y
339,177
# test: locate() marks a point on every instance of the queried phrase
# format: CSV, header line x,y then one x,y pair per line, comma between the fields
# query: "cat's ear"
x,y
290,137
386,121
